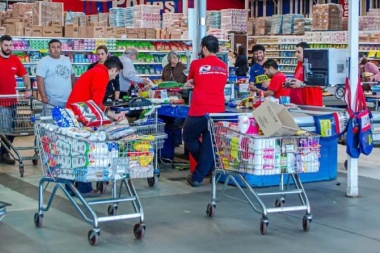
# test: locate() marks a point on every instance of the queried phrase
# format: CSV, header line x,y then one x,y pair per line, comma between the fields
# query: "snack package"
x,y
90,114
64,117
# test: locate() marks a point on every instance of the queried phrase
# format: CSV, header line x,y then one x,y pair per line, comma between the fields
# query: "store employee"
x,y
300,94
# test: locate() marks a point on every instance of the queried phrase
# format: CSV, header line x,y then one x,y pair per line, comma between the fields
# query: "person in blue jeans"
x,y
208,77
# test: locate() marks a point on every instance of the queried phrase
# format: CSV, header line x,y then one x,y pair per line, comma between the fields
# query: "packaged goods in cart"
x,y
89,114
247,124
64,117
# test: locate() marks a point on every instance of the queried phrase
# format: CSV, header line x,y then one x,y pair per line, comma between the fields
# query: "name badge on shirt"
x,y
261,79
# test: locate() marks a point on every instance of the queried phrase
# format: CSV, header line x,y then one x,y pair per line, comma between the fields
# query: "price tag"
x,y
261,78
44,51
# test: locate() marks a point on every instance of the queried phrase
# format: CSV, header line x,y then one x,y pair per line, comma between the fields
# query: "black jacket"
x,y
113,85
241,65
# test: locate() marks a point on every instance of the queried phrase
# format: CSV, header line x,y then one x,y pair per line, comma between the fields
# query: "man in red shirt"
x,y
92,86
208,76
301,94
11,66
276,86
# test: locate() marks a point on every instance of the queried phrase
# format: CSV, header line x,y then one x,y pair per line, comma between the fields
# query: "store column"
x,y
353,38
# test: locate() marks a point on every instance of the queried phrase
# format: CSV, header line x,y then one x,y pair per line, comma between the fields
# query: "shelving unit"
x,y
82,52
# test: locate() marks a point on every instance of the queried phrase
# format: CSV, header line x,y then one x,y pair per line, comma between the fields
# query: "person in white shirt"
x,y
55,77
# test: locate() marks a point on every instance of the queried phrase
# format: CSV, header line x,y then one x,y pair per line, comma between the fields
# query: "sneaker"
x,y
6,158
192,182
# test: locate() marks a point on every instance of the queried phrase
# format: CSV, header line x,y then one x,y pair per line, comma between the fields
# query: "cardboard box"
x,y
47,31
120,32
71,31
82,32
275,120
56,23
36,31
19,28
95,31
11,29
28,32
57,31
3,30
109,32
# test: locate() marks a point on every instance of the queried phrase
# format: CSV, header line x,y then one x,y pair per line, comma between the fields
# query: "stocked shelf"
x,y
82,52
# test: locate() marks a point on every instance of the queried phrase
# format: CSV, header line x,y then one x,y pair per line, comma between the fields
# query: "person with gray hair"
x,y
129,76
173,71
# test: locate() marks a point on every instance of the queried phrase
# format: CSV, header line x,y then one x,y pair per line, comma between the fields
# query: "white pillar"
x,y
185,8
311,2
353,48
301,8
291,7
264,8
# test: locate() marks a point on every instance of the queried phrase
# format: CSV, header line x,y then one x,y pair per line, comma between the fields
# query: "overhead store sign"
x,y
345,7
165,5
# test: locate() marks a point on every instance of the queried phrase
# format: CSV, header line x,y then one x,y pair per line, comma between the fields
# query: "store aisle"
x,y
176,220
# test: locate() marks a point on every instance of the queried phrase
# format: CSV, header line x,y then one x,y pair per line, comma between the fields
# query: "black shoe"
x,y
192,182
6,158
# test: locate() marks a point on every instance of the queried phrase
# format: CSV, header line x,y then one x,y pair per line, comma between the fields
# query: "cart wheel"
x,y
306,223
101,187
112,210
35,161
345,164
263,226
21,169
139,231
93,237
152,181
38,218
279,202
210,211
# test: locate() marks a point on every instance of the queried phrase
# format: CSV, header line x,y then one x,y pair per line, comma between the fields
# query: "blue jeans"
x,y
196,127
82,187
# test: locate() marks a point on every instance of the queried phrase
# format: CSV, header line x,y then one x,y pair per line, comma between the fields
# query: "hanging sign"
x,y
345,7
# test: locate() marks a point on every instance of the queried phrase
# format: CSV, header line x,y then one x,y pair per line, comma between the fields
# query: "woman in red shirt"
x,y
301,94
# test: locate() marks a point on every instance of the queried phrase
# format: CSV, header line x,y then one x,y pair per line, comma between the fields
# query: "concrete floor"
x,y
176,220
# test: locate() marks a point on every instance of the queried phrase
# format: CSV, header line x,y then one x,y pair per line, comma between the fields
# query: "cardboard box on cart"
x,y
275,120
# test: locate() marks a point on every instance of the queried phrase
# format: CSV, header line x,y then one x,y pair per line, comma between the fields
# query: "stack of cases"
x,y
327,17
263,26
302,25
288,23
234,20
73,17
276,27
213,19
172,20
146,16
128,20
2,6
117,17
370,22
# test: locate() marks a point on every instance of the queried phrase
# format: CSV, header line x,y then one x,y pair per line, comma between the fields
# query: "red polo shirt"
x,y
305,95
276,85
90,86
210,77
9,68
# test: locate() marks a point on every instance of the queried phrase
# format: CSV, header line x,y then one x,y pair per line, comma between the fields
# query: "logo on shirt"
x,y
14,68
62,71
204,69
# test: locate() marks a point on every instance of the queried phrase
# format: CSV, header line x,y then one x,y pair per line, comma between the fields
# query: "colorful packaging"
x,y
64,117
90,114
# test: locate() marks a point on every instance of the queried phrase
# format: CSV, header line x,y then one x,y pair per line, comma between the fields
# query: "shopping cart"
x,y
149,126
237,154
66,158
15,113
3,209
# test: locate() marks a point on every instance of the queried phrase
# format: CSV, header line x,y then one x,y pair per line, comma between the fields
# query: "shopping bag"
x,y
359,130
331,126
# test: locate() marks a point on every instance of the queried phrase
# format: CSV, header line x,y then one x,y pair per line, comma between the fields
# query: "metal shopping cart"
x,y
15,113
3,209
66,158
237,154
149,126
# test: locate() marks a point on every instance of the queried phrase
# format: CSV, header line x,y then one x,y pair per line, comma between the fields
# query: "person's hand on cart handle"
x,y
117,116
28,93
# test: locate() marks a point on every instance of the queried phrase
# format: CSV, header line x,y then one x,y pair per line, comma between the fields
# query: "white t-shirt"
x,y
57,78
